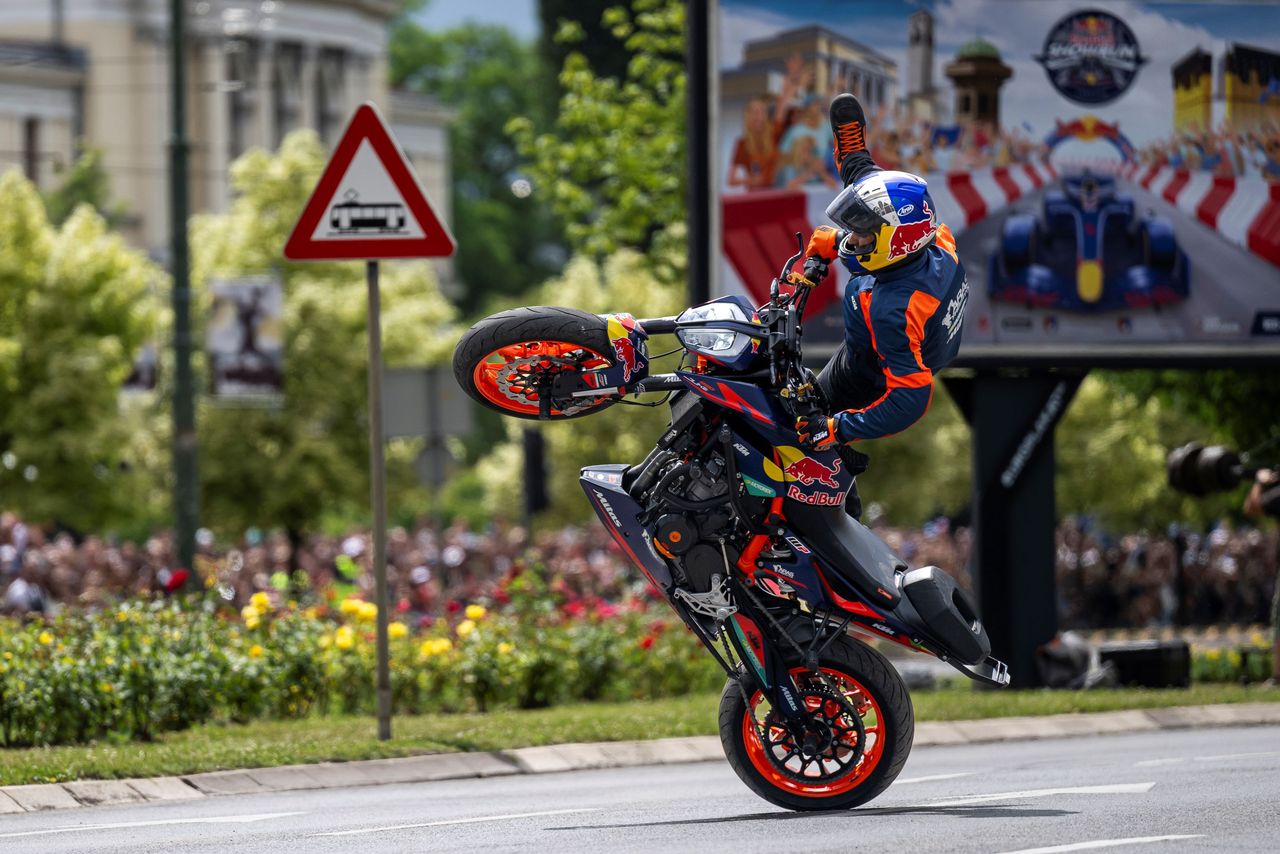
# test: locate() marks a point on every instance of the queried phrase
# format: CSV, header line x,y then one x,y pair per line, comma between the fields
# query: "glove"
x,y
818,432
823,244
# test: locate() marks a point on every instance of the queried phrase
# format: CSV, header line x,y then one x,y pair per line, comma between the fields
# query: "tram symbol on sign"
x,y
356,217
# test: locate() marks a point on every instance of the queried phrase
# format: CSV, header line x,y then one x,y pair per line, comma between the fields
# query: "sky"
x,y
519,16
1165,32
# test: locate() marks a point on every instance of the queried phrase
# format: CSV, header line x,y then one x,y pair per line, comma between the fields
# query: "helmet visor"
x,y
850,211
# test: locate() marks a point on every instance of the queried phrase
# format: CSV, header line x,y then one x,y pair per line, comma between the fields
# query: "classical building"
x,y
922,100
41,114
977,73
1251,86
257,70
1193,91
872,76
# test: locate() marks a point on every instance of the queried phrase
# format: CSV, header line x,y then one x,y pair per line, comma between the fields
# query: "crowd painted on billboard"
x,y
1104,580
1223,151
785,142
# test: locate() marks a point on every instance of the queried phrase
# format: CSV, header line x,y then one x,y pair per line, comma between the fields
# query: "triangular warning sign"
x,y
368,203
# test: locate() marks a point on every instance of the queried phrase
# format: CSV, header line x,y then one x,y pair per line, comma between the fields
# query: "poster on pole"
x,y
244,339
1111,172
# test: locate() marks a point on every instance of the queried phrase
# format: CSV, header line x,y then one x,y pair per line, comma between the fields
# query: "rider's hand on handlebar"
x,y
815,270
818,432
802,281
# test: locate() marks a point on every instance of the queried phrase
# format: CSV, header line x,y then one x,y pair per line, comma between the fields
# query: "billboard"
x,y
244,340
1112,176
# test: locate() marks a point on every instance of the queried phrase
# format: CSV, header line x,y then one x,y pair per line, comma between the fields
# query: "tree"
x,y
613,165
604,51
513,241
73,314
1239,406
308,459
86,183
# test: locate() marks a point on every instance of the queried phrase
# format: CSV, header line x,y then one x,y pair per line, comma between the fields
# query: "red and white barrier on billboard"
x,y
759,228
1244,210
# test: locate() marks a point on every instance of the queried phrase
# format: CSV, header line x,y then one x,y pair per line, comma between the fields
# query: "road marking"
x,y
450,821
1116,789
1154,763
1106,843
933,777
1236,756
218,819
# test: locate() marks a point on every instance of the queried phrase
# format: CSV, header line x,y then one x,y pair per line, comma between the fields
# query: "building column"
x,y
217,138
307,114
265,126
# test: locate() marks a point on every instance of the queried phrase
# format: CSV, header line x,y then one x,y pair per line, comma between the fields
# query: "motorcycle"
x,y
745,532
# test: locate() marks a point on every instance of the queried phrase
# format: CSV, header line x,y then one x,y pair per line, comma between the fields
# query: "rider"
x,y
904,304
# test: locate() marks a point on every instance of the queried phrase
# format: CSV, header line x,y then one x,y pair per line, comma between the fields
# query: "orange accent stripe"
x,y
947,241
919,310
864,302
919,379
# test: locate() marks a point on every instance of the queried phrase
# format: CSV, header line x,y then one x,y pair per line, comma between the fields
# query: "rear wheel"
x,y
842,760
510,360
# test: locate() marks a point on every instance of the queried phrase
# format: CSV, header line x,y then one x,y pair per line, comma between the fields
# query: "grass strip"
x,y
270,743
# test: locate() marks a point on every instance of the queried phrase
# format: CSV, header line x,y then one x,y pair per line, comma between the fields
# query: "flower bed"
x,y
148,667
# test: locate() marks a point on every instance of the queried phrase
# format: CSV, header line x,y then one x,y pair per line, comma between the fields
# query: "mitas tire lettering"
x,y
821,499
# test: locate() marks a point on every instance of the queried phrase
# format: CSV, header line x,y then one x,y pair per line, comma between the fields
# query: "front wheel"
x,y
841,762
509,361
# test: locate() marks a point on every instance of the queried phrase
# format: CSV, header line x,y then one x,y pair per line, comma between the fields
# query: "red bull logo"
x,y
620,329
625,350
808,471
912,236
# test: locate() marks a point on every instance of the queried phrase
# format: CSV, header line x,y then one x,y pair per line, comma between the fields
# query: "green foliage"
x,y
923,471
146,669
1239,406
87,183
483,73
290,465
1110,454
613,165
73,314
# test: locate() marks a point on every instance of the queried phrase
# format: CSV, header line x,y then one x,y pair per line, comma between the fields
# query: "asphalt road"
x,y
1208,790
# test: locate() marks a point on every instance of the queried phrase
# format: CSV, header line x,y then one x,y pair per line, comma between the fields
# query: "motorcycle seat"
x,y
848,548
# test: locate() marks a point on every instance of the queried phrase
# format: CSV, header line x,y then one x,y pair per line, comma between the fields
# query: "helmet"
x,y
895,209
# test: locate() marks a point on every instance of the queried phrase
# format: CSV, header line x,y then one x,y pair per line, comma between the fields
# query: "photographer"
x,y
1264,500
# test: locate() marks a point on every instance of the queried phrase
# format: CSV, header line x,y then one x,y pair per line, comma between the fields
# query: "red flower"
x,y
647,641
657,627
501,596
176,580
402,606
575,608
453,607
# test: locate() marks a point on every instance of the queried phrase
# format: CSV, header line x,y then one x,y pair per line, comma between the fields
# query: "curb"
x,y
579,757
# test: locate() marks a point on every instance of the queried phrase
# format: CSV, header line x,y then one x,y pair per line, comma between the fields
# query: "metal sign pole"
x,y
378,484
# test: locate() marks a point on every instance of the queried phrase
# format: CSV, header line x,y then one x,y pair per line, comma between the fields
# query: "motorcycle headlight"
x,y
723,344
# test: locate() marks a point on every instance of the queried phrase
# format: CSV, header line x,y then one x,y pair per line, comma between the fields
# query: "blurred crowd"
x,y
786,140
1223,151
1227,574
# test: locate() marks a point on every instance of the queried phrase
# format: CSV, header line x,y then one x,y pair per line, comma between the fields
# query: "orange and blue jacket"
x,y
900,326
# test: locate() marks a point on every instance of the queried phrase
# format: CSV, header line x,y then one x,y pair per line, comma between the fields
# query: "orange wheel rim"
x,y
509,376
850,771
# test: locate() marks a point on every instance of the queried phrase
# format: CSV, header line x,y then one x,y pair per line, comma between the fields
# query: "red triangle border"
x,y
367,123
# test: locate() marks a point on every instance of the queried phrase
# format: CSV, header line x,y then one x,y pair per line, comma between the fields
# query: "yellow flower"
x,y
368,612
255,651
109,661
344,638
121,616
311,613
476,612
250,612
505,648
292,604
326,640
261,601
1213,655
435,646
8,656
45,638
350,606
107,687
465,628
252,622
397,630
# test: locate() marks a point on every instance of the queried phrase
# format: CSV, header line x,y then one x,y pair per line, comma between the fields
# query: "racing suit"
x,y
901,324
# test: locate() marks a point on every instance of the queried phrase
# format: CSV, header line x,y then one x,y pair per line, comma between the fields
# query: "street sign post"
x,y
369,205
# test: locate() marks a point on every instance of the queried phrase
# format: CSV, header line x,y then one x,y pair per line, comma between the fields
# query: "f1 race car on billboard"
x,y
1088,252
